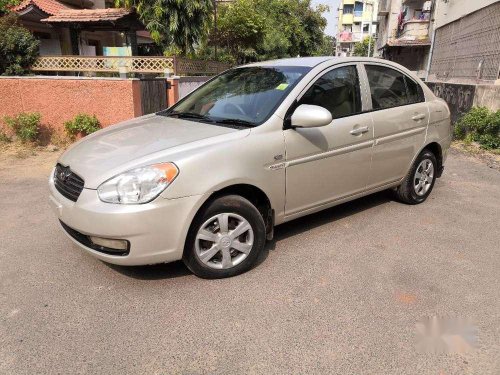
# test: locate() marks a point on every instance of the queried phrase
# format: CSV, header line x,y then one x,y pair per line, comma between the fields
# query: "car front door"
x,y
327,163
400,118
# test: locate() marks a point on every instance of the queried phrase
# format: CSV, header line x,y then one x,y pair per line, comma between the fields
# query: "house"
x,y
356,18
83,27
404,33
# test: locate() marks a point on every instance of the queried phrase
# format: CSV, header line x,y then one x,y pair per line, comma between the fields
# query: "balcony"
x,y
347,19
384,8
415,29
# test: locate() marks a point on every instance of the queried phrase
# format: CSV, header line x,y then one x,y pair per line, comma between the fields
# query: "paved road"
x,y
339,293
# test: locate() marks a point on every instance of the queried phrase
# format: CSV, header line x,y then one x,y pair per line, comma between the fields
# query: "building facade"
x,y
404,33
446,40
466,44
82,27
357,19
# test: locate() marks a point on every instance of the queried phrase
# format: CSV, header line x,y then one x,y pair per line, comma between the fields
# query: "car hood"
x,y
141,141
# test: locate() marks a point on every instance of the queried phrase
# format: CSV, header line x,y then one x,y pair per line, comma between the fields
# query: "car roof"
x,y
313,61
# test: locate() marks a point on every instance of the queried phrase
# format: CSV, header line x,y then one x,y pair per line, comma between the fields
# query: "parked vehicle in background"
x,y
207,180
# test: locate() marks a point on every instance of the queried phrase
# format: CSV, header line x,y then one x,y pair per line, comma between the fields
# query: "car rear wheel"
x,y
419,181
225,238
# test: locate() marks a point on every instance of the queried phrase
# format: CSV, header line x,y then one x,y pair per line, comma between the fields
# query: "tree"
x,y
240,29
18,47
268,29
327,48
361,48
6,4
181,24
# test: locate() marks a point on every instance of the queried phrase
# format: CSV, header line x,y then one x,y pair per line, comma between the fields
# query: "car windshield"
x,y
242,96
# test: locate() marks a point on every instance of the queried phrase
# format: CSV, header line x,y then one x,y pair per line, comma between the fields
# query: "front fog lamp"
x,y
110,243
139,185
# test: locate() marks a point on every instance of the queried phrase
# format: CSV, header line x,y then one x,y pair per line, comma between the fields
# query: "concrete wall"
x,y
59,99
462,97
112,100
455,9
388,24
488,96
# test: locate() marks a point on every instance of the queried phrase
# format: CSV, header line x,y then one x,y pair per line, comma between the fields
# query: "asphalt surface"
x,y
340,292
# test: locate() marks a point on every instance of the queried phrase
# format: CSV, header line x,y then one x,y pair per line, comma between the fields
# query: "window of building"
x,y
348,9
338,91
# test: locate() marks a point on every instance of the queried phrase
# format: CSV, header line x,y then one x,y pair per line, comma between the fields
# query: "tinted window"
x,y
415,92
387,87
337,91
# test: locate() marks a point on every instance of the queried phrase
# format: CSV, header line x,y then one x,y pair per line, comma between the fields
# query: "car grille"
x,y
67,183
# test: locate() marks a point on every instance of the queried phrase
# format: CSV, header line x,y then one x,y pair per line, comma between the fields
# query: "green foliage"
x,y
6,4
180,24
4,138
327,48
480,125
25,125
18,47
361,48
268,29
82,123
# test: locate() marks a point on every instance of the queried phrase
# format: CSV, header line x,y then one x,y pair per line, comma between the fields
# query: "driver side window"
x,y
337,91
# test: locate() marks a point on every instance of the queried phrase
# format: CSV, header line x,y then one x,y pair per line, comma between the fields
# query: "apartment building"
x,y
404,33
357,19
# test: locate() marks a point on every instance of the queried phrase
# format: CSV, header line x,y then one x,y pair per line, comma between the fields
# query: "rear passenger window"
x,y
387,87
415,92
337,91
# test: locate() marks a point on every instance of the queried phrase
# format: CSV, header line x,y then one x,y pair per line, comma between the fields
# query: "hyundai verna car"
x,y
209,178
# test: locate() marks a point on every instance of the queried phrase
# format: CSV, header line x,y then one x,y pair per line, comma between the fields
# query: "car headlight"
x,y
140,185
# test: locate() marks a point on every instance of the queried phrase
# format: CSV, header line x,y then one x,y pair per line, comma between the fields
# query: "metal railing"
x,y
128,64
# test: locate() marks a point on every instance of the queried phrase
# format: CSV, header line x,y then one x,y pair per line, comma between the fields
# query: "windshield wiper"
x,y
235,121
191,115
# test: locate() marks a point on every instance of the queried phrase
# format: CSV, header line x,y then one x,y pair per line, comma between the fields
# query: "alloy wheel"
x,y
224,241
424,175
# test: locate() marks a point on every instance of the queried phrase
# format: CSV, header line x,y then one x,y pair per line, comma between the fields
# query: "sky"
x,y
330,16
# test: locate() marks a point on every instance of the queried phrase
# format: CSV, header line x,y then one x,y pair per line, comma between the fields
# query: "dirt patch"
x,y
27,159
472,150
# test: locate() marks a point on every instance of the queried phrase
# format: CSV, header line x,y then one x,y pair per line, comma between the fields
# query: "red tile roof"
x,y
48,6
88,15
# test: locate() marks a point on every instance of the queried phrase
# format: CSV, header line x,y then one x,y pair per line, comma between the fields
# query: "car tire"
x,y
418,183
225,239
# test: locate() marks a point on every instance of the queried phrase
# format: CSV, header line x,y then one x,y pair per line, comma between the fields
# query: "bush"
x,y
82,123
480,125
25,125
18,47
4,137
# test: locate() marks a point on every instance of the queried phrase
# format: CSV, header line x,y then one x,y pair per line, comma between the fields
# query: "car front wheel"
x,y
225,238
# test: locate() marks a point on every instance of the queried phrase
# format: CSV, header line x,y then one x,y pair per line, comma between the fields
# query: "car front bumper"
x,y
156,231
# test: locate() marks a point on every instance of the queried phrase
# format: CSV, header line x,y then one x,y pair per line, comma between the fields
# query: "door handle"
x,y
418,117
358,131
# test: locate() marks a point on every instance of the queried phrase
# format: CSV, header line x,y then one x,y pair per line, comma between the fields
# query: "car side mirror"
x,y
310,116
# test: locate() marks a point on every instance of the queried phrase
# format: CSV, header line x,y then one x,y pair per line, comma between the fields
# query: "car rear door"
x,y
400,118
330,162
